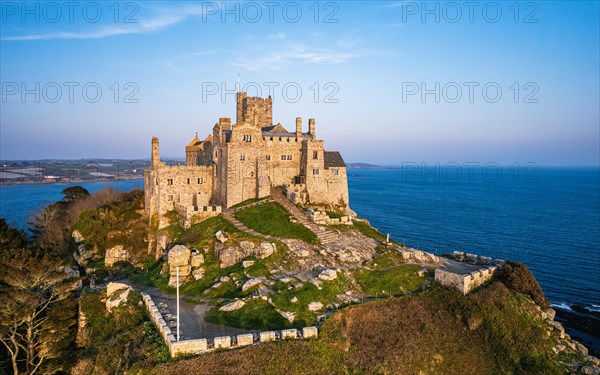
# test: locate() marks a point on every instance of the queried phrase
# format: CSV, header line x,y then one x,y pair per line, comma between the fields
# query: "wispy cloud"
x,y
167,18
278,36
175,62
296,55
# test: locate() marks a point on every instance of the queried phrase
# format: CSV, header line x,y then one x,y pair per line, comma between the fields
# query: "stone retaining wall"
x,y
190,215
199,346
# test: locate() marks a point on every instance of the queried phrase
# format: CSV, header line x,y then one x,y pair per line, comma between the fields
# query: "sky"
x,y
387,82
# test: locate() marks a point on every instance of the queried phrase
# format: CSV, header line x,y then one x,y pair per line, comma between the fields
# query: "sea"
x,y
548,218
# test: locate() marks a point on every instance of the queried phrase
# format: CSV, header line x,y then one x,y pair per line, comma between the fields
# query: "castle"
x,y
243,161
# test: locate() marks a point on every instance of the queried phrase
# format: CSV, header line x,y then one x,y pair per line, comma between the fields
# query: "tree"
x,y
10,237
73,193
37,311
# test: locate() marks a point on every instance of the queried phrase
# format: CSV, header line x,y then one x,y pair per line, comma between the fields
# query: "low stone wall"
x,y
464,283
320,217
199,346
190,215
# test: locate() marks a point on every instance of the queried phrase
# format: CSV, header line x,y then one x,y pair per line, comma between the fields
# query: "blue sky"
x,y
369,62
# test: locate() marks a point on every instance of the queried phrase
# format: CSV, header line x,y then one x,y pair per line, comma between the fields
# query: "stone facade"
x,y
243,161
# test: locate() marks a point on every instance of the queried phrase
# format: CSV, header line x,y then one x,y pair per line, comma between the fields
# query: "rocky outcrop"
x,y
232,255
418,256
235,305
252,282
315,306
116,254
328,275
116,293
179,258
77,236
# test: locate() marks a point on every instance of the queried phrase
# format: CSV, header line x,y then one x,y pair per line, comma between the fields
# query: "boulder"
x,y
294,299
184,271
116,293
265,249
220,236
252,282
230,256
328,275
198,273
179,255
247,263
315,306
77,236
197,260
247,246
235,305
173,281
116,254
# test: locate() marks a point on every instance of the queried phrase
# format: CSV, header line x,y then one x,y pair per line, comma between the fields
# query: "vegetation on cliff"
x,y
490,331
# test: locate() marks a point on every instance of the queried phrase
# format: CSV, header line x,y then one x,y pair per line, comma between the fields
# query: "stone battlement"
x,y
199,346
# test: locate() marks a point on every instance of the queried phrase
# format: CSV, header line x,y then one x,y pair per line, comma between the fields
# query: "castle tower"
x,y
254,110
311,129
155,158
299,127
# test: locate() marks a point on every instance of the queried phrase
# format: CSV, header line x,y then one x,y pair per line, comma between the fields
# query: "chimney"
x,y
311,129
154,158
299,128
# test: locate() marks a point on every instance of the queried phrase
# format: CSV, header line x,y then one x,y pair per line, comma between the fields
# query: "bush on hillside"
x,y
518,277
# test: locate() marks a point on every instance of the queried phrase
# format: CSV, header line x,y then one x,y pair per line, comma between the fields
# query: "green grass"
x,y
392,281
273,219
334,215
249,201
203,233
305,295
256,314
388,258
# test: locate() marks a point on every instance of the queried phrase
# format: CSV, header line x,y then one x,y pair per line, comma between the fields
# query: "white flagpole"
x,y
177,303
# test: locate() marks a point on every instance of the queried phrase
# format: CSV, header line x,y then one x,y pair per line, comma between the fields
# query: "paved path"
x,y
326,236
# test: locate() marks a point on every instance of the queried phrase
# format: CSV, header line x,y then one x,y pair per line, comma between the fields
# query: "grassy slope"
x,y
390,281
273,219
488,331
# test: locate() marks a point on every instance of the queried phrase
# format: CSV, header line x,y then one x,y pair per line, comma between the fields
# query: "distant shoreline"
x,y
68,182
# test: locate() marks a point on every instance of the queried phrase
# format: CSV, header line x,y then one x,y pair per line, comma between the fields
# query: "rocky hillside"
x,y
264,267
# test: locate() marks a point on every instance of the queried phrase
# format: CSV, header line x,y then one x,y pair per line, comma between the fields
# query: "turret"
x,y
155,157
311,129
299,128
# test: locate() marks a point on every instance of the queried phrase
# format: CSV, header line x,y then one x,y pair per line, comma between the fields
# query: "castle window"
x,y
315,154
170,198
247,138
271,138
315,171
242,157
157,181
169,181
288,139
268,157
200,180
286,157
188,181
334,172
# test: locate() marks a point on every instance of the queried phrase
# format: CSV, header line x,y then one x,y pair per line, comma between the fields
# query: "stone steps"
x,y
325,236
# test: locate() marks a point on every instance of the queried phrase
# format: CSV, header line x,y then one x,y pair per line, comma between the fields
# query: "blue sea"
x,y
548,218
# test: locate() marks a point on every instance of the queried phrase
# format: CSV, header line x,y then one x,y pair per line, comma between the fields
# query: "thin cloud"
x,y
278,36
297,55
162,21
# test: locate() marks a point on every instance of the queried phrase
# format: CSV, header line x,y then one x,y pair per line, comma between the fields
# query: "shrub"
x,y
518,277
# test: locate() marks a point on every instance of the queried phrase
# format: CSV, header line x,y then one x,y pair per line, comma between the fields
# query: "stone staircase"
x,y
324,235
